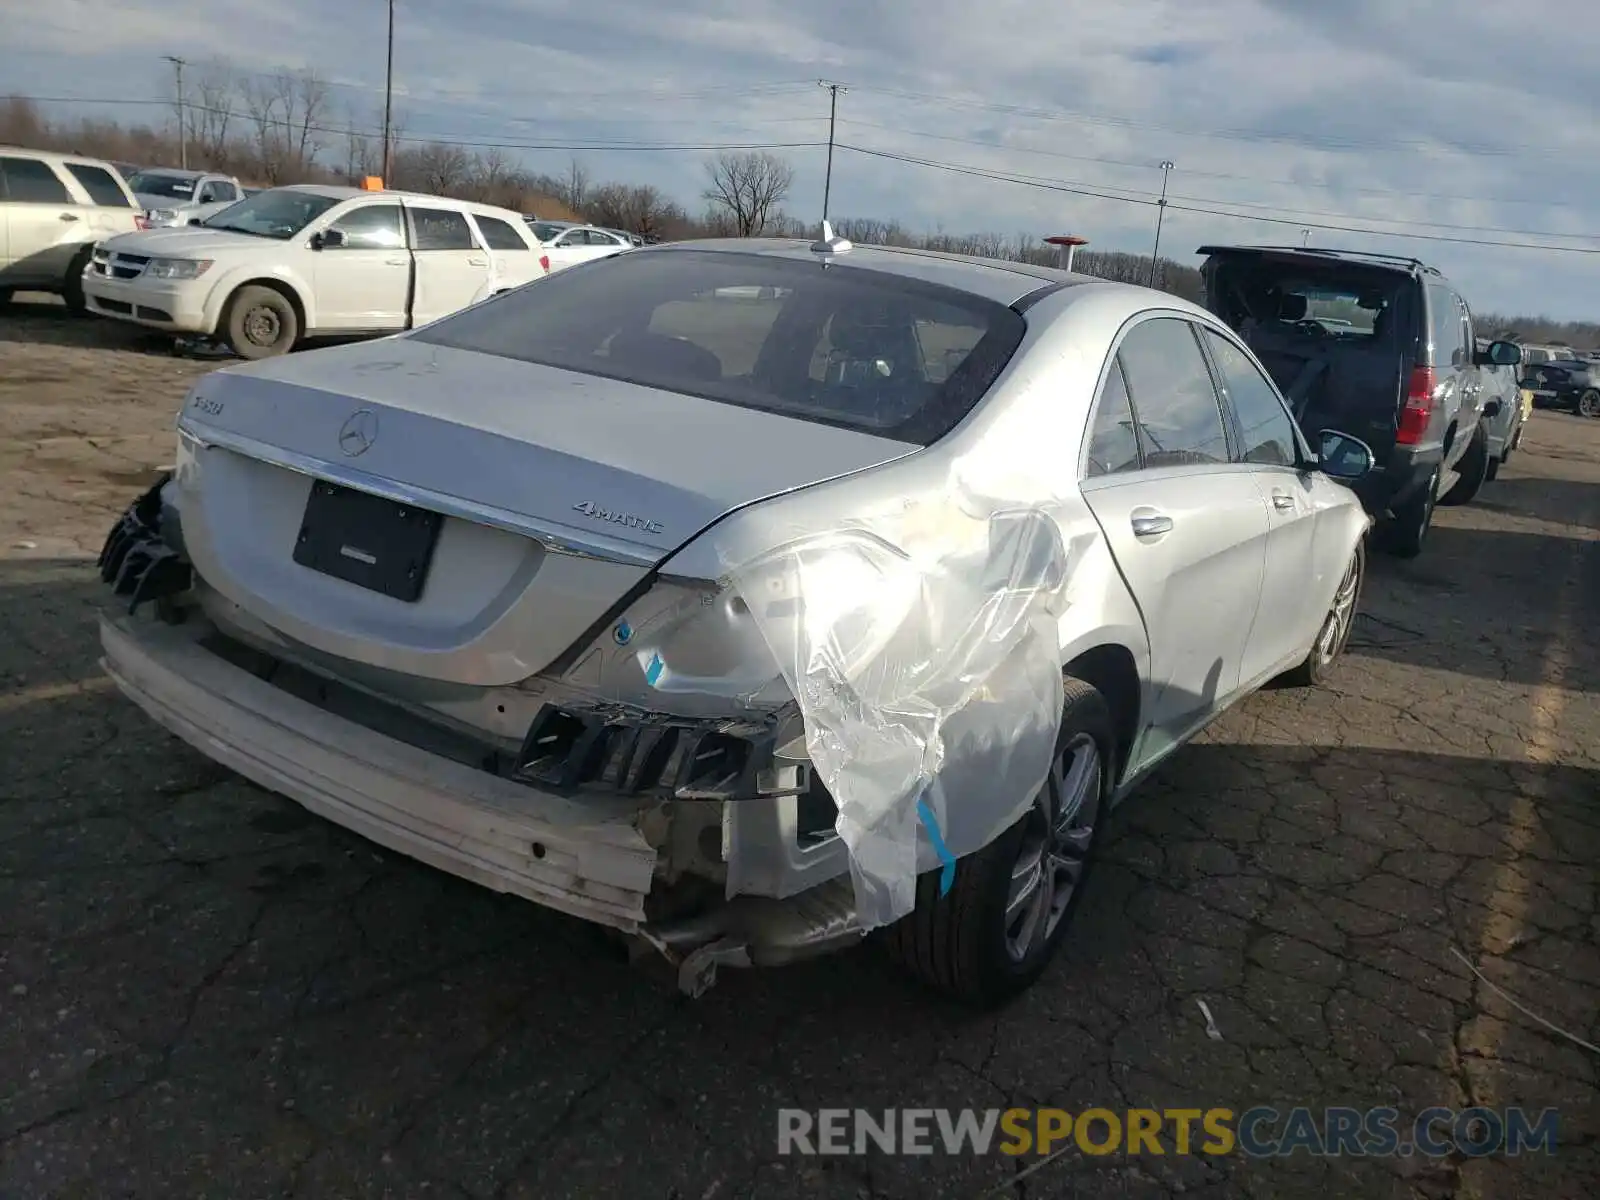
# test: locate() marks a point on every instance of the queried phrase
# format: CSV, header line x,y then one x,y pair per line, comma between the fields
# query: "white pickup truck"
x,y
172,197
306,261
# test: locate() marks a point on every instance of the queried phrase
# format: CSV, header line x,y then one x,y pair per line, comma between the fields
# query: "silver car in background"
x,y
172,197
745,596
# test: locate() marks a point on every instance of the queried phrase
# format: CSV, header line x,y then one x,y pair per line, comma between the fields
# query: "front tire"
x,y
1334,633
1589,404
1008,910
261,323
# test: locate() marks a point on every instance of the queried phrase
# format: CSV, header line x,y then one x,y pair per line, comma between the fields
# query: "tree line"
x,y
286,127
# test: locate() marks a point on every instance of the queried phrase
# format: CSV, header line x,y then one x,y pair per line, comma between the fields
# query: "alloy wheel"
x,y
1589,404
1055,847
1341,617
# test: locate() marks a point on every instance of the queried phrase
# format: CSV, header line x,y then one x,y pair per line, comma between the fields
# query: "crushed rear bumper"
x,y
584,859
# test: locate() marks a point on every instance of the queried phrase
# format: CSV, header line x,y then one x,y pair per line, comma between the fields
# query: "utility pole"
x,y
388,105
833,112
1161,211
183,128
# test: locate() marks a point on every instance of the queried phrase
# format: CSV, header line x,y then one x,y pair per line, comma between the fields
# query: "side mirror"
x,y
1492,409
1341,456
195,220
1501,354
328,239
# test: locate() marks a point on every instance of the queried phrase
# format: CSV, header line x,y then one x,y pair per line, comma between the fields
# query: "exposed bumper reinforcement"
x,y
586,859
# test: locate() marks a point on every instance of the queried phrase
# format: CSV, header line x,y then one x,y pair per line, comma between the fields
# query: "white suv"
x,y
53,209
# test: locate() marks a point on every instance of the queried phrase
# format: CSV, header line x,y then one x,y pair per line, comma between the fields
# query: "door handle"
x,y
69,216
1282,501
395,262
478,262
1151,525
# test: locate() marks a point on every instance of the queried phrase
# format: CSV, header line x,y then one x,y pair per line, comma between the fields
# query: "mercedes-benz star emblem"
x,y
358,432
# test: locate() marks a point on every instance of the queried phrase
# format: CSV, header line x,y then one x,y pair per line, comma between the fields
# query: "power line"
x,y
1151,165
1308,141
1047,185
608,145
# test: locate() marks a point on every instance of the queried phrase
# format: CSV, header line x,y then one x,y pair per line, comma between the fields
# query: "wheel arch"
x,y
1110,668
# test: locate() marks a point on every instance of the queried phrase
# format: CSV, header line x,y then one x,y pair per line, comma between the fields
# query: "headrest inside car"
x,y
1292,308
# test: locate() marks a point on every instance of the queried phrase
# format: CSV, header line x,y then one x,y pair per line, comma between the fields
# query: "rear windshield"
x,y
841,346
1351,305
158,183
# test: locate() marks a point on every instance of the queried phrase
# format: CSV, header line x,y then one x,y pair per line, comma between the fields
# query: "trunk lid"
x,y
559,493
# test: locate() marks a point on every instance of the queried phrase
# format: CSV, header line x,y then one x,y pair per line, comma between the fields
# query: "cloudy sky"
x,y
1433,125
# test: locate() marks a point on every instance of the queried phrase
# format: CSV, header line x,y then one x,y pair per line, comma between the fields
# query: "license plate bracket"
x,y
370,541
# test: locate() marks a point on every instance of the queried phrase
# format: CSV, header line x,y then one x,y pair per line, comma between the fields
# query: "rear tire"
x,y
985,941
1402,534
261,323
1493,472
1333,635
1589,404
72,288
1474,470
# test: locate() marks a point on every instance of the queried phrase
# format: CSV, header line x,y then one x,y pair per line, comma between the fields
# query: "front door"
x,y
45,224
1186,526
1266,445
363,284
452,270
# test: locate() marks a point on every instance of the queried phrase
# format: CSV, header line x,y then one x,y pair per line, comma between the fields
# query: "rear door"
x,y
364,284
112,208
43,222
1450,376
513,257
1187,526
451,269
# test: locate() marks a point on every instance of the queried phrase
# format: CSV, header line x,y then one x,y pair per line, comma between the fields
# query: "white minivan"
x,y
305,261
53,209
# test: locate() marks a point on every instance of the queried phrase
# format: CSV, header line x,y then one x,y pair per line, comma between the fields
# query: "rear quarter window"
x,y
845,346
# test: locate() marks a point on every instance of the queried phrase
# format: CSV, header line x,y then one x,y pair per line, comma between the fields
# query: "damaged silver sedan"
x,y
744,597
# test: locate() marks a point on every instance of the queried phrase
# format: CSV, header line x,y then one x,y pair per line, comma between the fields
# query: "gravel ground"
x,y
206,992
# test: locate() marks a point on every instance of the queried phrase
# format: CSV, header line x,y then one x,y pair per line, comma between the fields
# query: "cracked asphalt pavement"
x,y
204,991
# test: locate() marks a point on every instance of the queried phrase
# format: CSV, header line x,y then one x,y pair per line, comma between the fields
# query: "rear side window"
x,y
101,185
843,346
441,229
1180,422
1113,439
1444,325
29,181
498,234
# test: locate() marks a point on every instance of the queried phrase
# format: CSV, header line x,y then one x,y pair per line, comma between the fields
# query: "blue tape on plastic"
x,y
653,671
947,874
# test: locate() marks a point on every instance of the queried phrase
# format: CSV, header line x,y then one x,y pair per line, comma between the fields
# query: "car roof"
x,y
175,172
337,192
1397,263
999,280
55,156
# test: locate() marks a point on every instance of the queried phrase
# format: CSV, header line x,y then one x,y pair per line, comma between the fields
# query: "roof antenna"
x,y
830,243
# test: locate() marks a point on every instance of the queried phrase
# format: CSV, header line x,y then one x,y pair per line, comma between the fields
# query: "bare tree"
x,y
211,104
574,191
438,167
640,209
747,186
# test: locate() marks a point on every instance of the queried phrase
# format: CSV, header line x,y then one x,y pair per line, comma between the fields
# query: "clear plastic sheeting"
x,y
920,643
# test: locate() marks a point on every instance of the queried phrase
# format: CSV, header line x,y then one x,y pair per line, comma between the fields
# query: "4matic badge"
x,y
627,520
